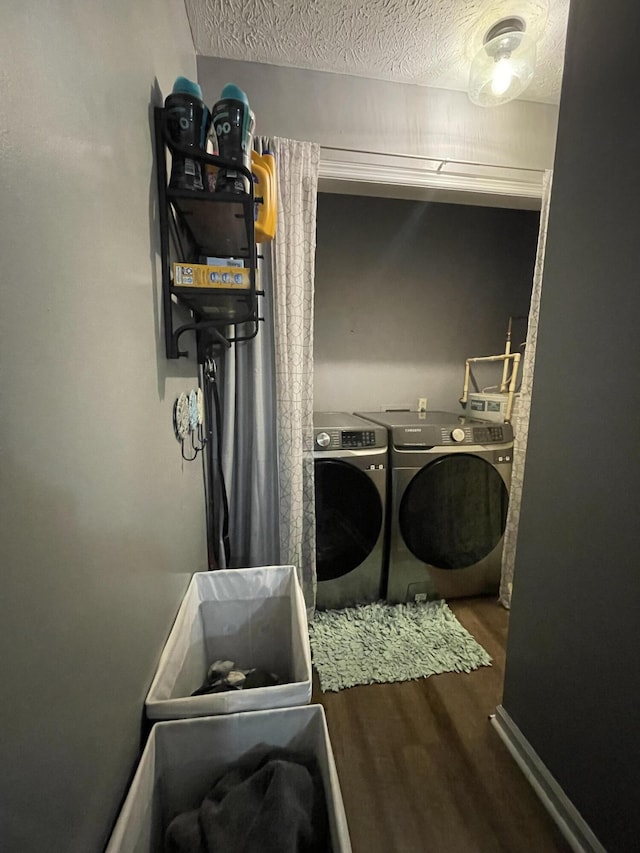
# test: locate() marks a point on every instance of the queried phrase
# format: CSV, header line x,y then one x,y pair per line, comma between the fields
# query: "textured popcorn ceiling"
x,y
428,42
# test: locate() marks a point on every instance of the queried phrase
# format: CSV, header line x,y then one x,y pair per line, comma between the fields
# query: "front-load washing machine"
x,y
450,479
350,456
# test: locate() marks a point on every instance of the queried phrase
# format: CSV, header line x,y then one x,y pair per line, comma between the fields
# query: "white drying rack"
x,y
508,383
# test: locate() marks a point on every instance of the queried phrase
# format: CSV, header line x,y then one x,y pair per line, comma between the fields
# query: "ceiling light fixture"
x,y
504,66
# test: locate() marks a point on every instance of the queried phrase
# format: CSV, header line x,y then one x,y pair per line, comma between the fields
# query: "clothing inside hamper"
x,y
270,801
224,675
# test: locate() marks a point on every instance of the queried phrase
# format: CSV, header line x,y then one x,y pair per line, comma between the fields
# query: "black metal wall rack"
x,y
204,224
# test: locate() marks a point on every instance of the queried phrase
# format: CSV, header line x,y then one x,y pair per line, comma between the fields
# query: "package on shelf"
x,y
209,275
255,617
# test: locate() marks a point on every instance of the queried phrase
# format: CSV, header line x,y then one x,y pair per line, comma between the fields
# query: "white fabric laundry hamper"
x,y
183,757
255,617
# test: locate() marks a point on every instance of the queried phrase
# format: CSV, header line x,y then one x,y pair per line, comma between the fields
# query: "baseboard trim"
x,y
572,825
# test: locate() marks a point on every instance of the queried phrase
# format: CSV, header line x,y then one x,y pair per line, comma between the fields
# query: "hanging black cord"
x,y
214,470
206,475
223,489
211,469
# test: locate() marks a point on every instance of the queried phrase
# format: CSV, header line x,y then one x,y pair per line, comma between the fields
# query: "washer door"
x,y
348,517
454,511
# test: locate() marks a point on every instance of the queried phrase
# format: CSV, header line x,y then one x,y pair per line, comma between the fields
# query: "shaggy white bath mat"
x,y
382,642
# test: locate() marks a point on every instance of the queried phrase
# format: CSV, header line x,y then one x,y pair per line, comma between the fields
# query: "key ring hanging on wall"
x,y
188,422
196,416
182,425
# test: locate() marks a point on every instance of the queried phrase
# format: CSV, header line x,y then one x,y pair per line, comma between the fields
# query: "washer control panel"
x,y
337,439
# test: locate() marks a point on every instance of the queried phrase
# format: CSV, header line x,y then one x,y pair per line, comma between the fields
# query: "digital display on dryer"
x,y
358,438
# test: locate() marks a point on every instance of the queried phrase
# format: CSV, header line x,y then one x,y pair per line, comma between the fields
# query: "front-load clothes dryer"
x,y
450,479
350,456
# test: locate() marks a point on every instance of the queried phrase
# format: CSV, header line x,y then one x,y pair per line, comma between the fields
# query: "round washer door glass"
x,y
348,517
454,511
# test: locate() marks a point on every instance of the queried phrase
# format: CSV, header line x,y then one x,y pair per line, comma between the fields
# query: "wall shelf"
x,y
195,225
217,221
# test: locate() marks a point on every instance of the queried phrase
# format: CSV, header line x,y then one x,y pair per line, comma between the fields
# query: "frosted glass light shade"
x,y
502,69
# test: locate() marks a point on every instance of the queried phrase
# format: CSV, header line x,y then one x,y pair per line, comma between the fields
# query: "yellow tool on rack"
x,y
263,167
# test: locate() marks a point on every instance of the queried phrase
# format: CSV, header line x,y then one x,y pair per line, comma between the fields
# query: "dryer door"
x,y
348,517
454,511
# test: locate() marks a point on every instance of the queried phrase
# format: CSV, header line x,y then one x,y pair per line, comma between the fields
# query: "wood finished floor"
x,y
421,767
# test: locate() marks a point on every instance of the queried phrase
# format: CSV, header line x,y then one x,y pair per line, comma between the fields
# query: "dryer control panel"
x,y
337,439
466,434
490,434
461,434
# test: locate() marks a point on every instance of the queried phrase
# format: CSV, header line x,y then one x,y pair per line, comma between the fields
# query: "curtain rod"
x,y
443,161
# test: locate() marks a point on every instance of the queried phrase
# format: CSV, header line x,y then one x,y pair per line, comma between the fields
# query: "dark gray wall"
x,y
101,522
406,291
573,671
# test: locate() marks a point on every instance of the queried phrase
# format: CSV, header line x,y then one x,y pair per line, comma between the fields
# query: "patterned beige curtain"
x,y
294,267
521,418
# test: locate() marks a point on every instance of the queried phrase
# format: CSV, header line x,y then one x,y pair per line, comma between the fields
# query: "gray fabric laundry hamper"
x,y
182,757
255,617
